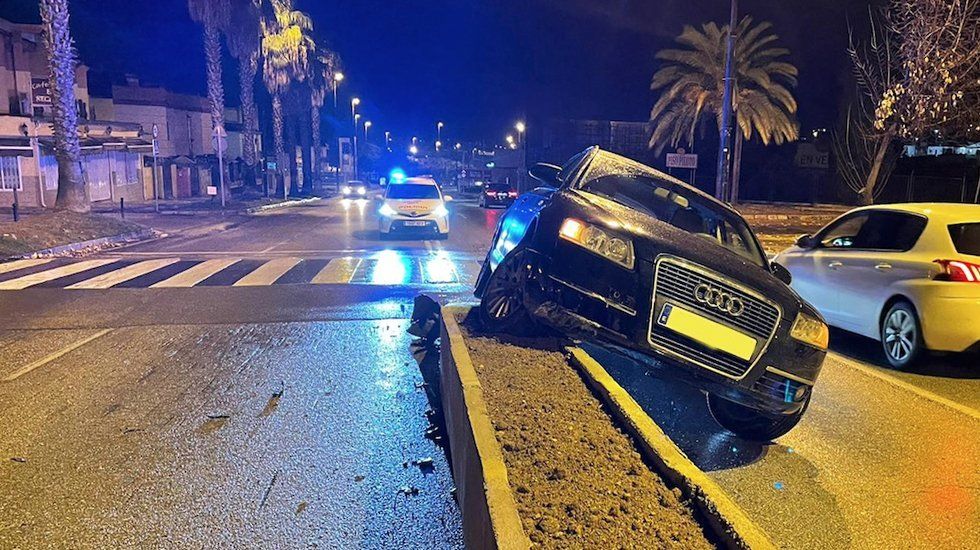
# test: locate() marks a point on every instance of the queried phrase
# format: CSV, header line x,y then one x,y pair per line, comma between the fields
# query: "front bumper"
x,y
778,381
418,225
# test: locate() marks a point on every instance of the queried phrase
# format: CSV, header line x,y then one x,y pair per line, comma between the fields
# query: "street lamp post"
x,y
388,140
521,128
367,126
439,126
723,181
338,77
354,102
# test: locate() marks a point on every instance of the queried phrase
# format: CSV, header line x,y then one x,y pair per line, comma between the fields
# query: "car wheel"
x,y
901,336
502,307
752,424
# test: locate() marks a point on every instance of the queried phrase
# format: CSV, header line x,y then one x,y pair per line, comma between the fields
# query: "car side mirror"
x,y
806,241
545,173
447,198
781,273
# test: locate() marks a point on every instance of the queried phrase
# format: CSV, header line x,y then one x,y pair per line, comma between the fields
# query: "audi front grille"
x,y
683,284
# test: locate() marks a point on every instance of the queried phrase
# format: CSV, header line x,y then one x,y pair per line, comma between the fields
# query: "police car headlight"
x,y
386,211
440,211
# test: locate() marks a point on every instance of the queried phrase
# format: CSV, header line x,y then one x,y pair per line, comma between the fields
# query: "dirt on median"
x,y
577,479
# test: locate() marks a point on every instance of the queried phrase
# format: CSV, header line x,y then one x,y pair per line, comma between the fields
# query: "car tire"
x,y
502,307
901,336
752,424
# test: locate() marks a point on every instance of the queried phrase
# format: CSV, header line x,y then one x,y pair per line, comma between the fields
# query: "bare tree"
x,y
72,192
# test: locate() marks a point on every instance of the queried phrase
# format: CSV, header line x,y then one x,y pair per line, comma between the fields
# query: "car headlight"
x,y
810,330
345,190
598,241
361,190
386,211
440,211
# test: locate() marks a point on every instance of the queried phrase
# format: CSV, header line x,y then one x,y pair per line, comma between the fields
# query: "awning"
x,y
15,147
107,143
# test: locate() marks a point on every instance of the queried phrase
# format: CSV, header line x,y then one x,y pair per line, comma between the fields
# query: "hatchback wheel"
x,y
502,307
901,336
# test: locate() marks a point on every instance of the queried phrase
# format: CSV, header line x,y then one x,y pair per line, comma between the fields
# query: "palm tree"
x,y
243,36
286,49
326,65
693,88
72,192
213,16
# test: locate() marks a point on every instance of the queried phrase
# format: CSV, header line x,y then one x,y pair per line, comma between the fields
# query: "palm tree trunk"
x,y
247,68
737,166
868,193
277,136
315,128
216,90
72,192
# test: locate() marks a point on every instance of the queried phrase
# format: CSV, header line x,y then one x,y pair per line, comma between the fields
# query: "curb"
x,y
490,517
135,236
284,204
725,518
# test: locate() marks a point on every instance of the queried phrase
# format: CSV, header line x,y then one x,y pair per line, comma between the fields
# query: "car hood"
x,y
653,237
413,207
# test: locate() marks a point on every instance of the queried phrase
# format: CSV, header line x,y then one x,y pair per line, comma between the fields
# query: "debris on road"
x,y
409,491
358,478
18,459
268,489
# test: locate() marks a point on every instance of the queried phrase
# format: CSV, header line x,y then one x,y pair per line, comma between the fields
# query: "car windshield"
x,y
412,191
966,238
498,187
639,187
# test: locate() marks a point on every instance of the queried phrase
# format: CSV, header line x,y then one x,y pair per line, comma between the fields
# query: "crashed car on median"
x,y
613,252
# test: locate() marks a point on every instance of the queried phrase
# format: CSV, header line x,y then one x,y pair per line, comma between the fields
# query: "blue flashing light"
x,y
397,176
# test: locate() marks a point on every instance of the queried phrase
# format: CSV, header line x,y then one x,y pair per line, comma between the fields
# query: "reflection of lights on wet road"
x,y
391,268
440,269
359,204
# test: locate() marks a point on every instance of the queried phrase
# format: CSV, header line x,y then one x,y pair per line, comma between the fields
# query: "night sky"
x,y
477,65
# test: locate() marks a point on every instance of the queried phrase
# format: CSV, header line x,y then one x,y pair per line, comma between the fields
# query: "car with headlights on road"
x,y
616,253
354,189
907,275
416,206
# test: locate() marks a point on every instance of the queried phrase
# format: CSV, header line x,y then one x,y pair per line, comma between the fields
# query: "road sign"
x,y
682,160
156,147
219,141
808,155
156,131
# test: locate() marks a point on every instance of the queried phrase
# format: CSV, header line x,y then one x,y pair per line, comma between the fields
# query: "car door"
x,y
878,260
819,274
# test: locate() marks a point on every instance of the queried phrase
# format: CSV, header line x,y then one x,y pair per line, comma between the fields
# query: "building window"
x,y
10,174
49,172
126,167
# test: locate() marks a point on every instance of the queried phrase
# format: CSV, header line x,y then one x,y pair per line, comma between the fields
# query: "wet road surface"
x,y
215,413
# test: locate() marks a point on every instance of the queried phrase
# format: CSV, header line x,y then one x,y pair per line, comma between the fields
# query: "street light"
x,y
439,126
510,141
459,146
520,127
367,126
338,77
388,140
353,107
438,145
413,150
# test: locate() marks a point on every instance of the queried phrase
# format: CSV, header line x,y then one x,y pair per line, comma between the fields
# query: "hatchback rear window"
x,y
412,191
966,238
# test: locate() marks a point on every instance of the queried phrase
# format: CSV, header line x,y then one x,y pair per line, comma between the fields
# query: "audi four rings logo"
x,y
719,299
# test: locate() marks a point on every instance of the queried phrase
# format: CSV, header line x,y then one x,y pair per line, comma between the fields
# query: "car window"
x,y
498,187
875,230
412,191
966,238
842,233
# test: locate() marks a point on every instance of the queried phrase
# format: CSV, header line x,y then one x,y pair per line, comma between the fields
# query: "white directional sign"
x,y
682,160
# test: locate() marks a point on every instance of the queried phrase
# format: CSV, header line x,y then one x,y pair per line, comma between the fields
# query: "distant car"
x,y
354,189
905,274
416,206
498,194
616,253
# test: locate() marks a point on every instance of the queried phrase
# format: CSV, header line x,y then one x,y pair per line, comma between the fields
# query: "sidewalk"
x,y
197,205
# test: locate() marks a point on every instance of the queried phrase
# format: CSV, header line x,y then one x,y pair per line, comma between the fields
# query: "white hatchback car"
x,y
905,274
415,206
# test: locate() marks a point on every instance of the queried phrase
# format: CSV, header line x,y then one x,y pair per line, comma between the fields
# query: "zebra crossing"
x,y
389,267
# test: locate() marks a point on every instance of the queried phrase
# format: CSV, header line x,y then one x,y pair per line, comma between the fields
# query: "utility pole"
x,y
723,181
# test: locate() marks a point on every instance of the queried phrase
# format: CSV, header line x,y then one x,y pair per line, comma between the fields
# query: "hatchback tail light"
x,y
958,271
512,194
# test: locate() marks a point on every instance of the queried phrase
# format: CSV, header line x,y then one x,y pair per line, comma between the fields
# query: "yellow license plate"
x,y
708,333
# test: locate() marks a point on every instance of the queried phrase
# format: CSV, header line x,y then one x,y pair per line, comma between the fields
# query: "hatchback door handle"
x,y
883,267
834,265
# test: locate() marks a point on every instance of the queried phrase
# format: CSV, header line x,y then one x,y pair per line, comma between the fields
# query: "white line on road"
x,y
268,273
118,276
26,281
21,264
873,372
196,274
45,360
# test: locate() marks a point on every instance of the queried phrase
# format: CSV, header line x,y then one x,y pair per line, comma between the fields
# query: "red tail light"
x,y
512,194
491,193
958,271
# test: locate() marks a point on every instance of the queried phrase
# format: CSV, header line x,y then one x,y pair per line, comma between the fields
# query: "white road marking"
x,y
26,281
268,273
117,276
926,394
196,274
45,360
21,264
337,271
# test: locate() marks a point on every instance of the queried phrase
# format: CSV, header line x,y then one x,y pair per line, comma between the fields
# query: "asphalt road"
x,y
240,400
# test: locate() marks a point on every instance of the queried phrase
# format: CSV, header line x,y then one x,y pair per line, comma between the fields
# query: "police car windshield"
x,y
412,191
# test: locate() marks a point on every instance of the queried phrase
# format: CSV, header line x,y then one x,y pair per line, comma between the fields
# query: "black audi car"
x,y
613,252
